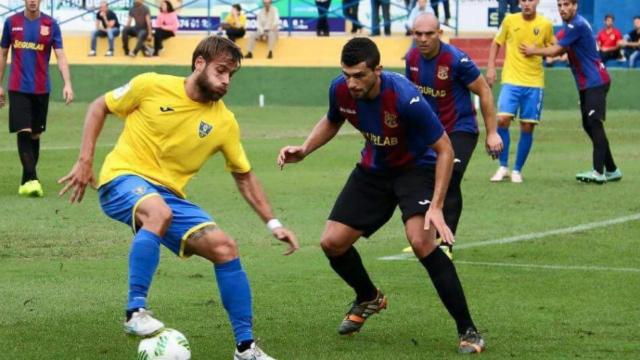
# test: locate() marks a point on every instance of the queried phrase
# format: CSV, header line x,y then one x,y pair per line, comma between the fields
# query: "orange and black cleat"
x,y
360,312
471,342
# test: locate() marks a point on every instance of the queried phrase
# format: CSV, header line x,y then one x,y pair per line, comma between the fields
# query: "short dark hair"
x,y
609,16
213,46
360,49
237,7
169,6
637,17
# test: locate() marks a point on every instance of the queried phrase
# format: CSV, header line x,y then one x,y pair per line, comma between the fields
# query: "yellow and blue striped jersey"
x,y
167,137
515,30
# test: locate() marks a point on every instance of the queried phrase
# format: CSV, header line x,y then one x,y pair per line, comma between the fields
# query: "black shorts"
x,y
463,145
593,102
28,111
369,199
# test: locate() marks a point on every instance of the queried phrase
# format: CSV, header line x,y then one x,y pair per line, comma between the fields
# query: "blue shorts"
x,y
521,101
120,197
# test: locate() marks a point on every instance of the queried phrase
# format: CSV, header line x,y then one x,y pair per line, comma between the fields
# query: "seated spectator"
x,y
631,43
141,30
267,23
609,40
166,26
235,23
420,8
106,26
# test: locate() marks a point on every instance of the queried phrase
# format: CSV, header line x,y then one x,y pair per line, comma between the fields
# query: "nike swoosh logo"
x,y
166,108
424,202
464,59
592,112
455,161
414,100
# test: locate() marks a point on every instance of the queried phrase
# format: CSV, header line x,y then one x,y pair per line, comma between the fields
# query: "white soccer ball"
x,y
169,344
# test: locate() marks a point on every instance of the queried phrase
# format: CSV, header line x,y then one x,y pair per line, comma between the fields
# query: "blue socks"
x,y
143,261
524,146
506,140
236,298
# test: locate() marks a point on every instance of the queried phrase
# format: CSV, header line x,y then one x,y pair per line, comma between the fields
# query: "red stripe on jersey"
x,y
16,56
42,62
443,82
347,104
413,59
393,131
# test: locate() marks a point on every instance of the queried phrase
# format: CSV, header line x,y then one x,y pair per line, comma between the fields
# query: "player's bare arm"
x,y
63,66
252,191
322,132
4,52
493,142
444,168
491,66
81,174
553,50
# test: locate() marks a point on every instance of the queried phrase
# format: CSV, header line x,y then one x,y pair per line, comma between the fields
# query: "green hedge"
x,y
309,86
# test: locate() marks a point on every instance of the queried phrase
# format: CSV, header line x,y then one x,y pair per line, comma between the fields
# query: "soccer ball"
x,y
170,344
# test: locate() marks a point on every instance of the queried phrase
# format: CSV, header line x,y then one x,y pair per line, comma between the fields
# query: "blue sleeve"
x,y
56,35
466,70
6,35
571,35
421,118
334,113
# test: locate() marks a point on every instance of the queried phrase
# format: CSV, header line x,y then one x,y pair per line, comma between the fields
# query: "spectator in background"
x,y
375,16
267,23
420,8
141,30
106,26
609,40
447,11
166,25
631,42
322,25
351,13
502,9
235,23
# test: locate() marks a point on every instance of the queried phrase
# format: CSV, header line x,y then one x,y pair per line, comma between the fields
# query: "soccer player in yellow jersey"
x,y
522,81
172,125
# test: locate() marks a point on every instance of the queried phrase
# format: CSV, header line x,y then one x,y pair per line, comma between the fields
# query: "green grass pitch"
x,y
573,295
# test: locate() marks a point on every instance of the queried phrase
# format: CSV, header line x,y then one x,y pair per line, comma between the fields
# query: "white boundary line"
x,y
549,267
532,236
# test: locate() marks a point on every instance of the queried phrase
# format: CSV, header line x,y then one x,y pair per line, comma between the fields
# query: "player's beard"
x,y
207,90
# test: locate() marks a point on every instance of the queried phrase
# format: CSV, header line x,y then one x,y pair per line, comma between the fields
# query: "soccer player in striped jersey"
x,y
593,82
172,125
407,162
31,35
446,76
522,89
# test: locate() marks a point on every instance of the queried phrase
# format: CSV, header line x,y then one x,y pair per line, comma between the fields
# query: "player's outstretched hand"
x,y
494,145
285,235
290,154
67,93
78,178
1,97
435,217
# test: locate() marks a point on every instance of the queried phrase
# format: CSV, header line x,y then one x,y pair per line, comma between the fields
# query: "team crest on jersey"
x,y
44,30
536,31
204,129
140,190
443,72
391,120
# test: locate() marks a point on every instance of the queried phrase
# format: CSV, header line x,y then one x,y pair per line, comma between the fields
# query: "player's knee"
x,y
219,247
332,246
504,121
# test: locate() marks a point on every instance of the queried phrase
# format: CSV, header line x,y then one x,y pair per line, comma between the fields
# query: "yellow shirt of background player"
x,y
515,30
167,137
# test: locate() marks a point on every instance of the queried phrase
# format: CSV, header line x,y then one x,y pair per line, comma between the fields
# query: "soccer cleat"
x,y
592,177
500,174
252,353
471,342
142,323
516,177
31,188
613,175
359,313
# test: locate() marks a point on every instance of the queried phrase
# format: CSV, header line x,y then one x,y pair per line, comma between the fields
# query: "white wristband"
x,y
274,224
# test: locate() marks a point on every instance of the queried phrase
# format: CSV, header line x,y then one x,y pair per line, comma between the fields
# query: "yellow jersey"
x,y
515,30
240,23
167,137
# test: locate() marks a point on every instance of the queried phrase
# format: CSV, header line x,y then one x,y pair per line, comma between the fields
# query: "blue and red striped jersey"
x,y
31,42
398,125
443,82
584,59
